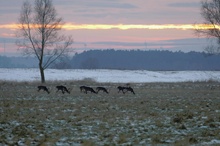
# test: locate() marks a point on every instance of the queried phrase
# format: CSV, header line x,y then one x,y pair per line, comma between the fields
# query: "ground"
x,y
159,113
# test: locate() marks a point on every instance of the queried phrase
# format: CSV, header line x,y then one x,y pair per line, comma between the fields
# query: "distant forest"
x,y
125,59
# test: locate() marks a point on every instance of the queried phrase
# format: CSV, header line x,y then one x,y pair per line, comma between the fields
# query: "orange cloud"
x,y
138,26
70,26
8,26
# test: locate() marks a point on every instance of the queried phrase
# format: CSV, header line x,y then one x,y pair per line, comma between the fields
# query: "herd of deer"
x,y
85,89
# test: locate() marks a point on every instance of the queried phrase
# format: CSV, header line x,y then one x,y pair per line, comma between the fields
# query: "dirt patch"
x,y
159,113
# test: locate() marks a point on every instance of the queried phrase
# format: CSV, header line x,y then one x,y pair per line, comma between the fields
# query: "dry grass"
x,y
159,113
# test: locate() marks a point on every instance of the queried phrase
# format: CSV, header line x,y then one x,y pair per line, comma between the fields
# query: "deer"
x,y
85,89
129,89
63,89
101,89
120,88
44,88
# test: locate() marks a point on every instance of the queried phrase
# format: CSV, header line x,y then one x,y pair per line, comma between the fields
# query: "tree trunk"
x,y
42,74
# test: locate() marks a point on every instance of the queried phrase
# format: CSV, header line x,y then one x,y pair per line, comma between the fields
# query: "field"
x,y
184,113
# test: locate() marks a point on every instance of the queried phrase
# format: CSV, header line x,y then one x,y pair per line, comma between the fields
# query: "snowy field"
x,y
168,108
112,76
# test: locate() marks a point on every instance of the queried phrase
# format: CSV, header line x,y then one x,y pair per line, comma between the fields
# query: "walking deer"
x,y
85,89
101,89
129,89
125,89
63,89
44,88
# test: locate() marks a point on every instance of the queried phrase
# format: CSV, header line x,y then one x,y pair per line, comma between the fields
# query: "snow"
x,y
108,75
113,76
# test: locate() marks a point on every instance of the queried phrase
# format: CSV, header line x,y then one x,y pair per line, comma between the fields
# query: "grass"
x,y
159,113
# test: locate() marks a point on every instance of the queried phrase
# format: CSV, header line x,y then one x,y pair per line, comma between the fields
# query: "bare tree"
x,y
39,33
210,11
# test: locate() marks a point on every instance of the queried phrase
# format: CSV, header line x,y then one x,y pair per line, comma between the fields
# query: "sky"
x,y
117,24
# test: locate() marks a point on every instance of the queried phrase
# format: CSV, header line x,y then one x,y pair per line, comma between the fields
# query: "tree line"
x,y
146,60
124,59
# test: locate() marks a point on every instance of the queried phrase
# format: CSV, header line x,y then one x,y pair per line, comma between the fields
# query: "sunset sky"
x,y
117,24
